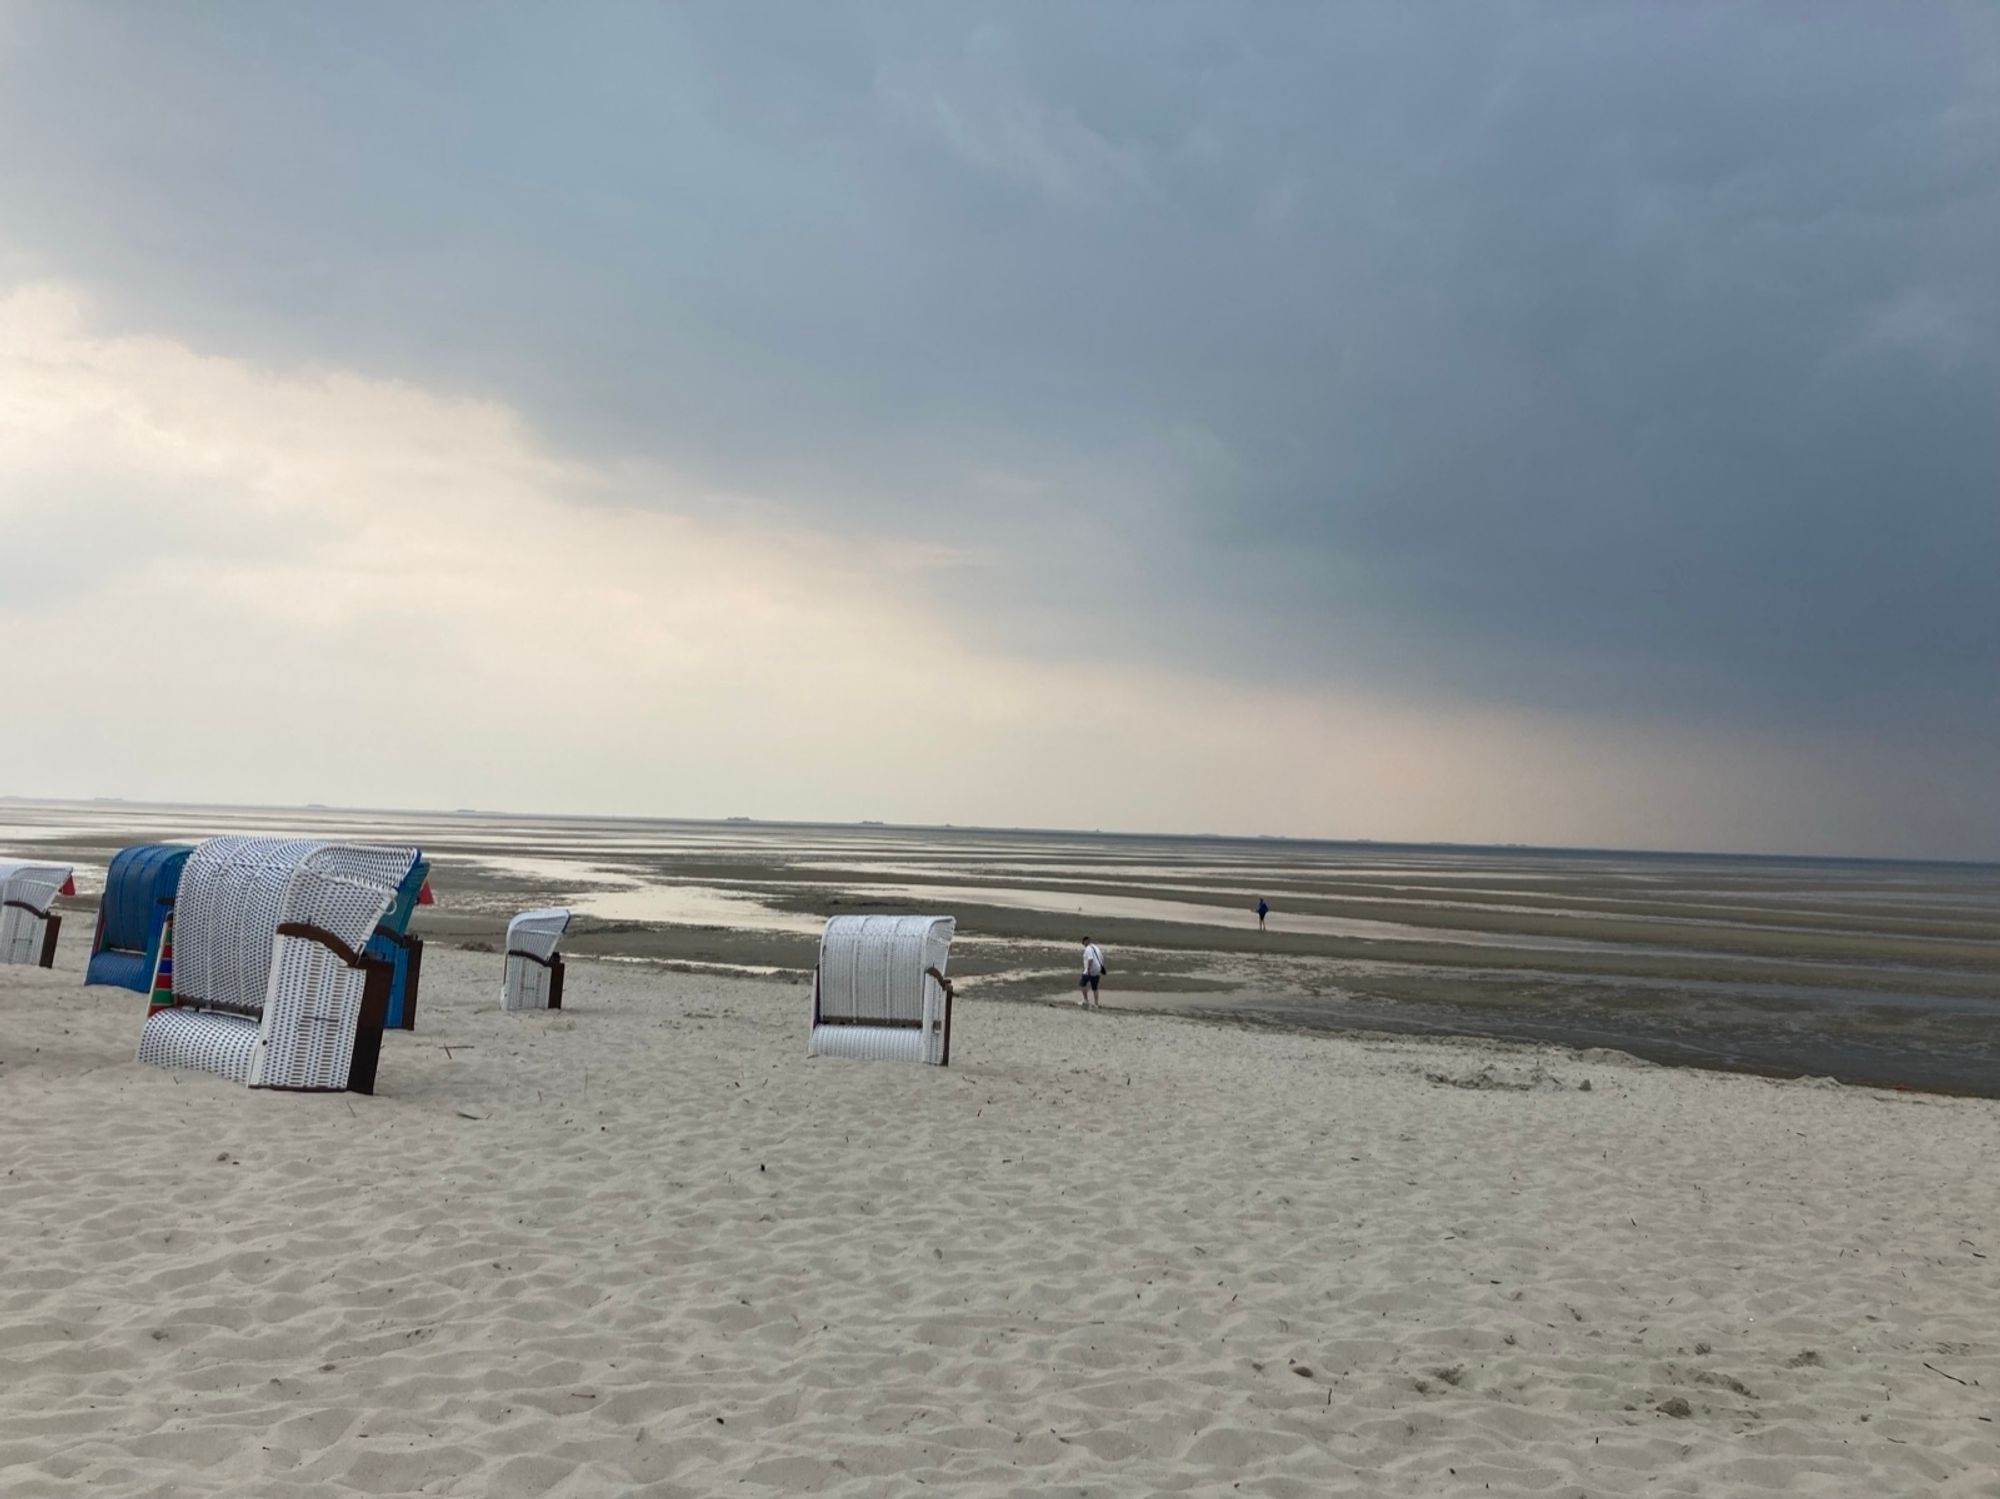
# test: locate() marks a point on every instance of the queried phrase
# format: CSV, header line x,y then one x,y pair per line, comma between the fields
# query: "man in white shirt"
x,y
1093,970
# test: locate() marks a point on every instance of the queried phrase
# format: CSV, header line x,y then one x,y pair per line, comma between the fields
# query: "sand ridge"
x,y
644,1246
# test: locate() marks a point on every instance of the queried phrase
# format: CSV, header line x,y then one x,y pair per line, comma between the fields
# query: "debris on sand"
x,y
1725,1381
1536,1079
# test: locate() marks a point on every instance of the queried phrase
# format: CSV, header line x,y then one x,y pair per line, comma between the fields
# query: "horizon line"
x,y
739,820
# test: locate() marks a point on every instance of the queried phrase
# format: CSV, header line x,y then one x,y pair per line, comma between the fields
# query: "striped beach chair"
x,y
534,977
29,924
880,991
271,985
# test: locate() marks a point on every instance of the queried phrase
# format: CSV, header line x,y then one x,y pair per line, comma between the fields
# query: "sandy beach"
x,y
1446,556
645,1247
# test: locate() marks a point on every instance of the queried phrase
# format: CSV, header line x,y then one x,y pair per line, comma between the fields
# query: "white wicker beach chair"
x,y
272,986
28,927
534,978
880,990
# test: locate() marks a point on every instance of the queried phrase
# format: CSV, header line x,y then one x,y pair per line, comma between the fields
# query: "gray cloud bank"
x,y
1629,360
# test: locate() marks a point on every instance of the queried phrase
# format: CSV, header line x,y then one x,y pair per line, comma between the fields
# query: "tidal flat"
x,y
1867,971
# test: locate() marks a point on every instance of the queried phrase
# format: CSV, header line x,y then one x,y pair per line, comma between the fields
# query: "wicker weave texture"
x,y
538,933
200,1039
27,889
226,919
525,986
872,1043
876,996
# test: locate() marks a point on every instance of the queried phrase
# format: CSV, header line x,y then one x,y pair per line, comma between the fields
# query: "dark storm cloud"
x,y
1634,359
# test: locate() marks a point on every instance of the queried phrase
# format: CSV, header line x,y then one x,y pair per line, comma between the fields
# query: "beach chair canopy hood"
x,y
880,989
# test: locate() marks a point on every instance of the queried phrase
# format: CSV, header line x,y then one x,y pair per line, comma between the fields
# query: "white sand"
x,y
668,1255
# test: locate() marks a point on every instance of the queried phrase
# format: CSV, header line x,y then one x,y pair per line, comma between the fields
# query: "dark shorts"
x,y
1089,981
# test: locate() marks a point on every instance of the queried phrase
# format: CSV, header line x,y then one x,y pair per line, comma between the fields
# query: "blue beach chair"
x,y
133,947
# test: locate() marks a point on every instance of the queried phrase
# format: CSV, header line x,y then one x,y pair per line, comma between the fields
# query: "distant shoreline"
x,y
1385,845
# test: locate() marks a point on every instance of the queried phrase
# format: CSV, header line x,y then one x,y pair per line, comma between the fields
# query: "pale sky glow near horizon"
x,y
1505,423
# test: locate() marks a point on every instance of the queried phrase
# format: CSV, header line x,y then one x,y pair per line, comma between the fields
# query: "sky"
x,y
1508,422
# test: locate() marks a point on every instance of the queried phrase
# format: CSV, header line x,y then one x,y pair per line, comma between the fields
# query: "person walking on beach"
x,y
1093,971
1263,910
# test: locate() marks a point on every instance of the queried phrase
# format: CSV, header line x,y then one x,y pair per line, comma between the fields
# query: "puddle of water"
x,y
563,873
1182,913
23,832
621,894
693,905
